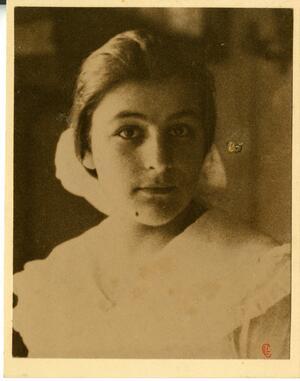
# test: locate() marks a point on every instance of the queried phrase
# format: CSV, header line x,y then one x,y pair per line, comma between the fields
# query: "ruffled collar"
x,y
185,300
243,273
223,271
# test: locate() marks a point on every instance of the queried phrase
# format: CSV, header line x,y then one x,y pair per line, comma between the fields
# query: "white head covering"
x,y
75,179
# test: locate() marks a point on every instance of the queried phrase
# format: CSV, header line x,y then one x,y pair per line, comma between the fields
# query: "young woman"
x,y
163,276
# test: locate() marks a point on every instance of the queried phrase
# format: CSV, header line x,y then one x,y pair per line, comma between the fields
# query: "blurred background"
x,y
249,52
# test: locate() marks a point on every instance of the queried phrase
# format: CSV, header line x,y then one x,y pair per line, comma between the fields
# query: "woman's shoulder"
x,y
255,254
249,248
69,258
227,229
82,245
251,269
230,242
50,291
70,263
261,277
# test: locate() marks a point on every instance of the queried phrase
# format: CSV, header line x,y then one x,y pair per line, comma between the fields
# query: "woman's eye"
x,y
180,130
129,132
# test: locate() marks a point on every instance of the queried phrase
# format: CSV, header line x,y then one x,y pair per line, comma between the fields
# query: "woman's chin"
x,y
156,216
152,219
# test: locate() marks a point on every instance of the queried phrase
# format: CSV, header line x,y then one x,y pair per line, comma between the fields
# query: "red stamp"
x,y
266,350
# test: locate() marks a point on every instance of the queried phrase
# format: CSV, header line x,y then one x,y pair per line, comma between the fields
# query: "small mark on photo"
x,y
266,350
234,147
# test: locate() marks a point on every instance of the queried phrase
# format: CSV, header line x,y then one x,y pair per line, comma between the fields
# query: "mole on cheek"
x,y
137,214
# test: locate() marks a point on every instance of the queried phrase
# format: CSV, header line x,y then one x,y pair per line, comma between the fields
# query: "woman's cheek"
x,y
118,175
190,163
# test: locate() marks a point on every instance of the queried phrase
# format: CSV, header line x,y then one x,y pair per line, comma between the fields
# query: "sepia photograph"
x,y
152,182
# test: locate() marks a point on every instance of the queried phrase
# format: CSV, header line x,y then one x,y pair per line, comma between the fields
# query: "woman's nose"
x,y
156,154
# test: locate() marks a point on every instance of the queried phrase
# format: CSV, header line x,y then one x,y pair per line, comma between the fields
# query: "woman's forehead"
x,y
173,96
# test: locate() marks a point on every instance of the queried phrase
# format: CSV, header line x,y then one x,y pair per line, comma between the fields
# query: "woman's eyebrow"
x,y
134,114
129,114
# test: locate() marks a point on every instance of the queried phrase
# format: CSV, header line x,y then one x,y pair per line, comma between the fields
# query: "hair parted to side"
x,y
137,55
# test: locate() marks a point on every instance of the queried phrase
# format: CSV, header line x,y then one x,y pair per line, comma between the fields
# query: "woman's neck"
x,y
143,238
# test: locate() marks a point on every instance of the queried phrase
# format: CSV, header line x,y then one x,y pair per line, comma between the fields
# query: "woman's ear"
x,y
88,161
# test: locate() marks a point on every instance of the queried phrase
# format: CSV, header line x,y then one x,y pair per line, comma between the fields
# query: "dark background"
x,y
249,52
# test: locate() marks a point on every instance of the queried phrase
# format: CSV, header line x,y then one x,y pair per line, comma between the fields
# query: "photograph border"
x,y
27,367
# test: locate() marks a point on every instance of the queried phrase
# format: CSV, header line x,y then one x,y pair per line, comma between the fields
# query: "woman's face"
x,y
147,143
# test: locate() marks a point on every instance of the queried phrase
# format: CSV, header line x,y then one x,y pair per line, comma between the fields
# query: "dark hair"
x,y
136,55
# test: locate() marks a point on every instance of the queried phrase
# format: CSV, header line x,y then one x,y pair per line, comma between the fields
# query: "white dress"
x,y
218,290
